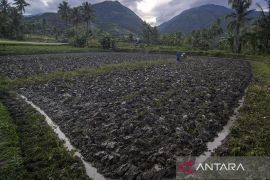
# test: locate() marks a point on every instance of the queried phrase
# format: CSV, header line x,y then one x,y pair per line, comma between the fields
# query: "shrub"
x,y
107,42
79,41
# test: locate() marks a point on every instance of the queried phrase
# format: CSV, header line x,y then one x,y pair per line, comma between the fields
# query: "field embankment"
x,y
32,150
250,135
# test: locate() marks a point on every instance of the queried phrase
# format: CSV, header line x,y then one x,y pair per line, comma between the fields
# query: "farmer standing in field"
x,y
180,55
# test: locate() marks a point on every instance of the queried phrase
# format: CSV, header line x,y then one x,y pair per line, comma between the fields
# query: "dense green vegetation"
x,y
117,24
24,43
247,31
238,19
243,34
10,153
250,135
11,18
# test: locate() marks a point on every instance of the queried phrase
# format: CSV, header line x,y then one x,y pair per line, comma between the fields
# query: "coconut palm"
x,y
4,17
76,17
64,11
4,5
264,27
238,19
146,32
21,4
15,22
87,14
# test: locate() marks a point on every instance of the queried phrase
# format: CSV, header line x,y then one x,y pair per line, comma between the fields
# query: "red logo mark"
x,y
189,164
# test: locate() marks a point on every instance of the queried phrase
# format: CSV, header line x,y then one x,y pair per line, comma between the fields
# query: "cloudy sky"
x,y
153,11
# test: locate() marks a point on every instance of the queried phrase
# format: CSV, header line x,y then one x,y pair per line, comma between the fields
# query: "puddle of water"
x,y
211,146
90,170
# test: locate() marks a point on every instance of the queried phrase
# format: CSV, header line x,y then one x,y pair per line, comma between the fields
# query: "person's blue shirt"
x,y
178,56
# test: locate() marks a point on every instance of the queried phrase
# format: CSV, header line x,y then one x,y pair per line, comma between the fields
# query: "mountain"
x,y
195,18
111,16
198,18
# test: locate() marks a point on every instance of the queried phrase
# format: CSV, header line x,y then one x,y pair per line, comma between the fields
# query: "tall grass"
x,y
11,162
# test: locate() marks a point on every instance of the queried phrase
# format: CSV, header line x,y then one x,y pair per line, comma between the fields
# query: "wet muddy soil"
x,y
135,123
29,65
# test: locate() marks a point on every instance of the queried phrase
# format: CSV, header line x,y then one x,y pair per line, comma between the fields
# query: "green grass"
x,y
250,135
22,43
43,155
8,47
130,47
11,162
40,49
32,38
39,38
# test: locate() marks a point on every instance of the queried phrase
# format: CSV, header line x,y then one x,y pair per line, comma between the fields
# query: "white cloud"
x,y
153,11
150,19
147,6
46,2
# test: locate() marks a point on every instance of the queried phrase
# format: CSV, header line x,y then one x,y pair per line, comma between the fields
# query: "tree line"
x,y
242,32
11,15
77,15
80,16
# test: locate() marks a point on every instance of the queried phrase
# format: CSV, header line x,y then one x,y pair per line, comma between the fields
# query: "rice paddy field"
x,y
129,114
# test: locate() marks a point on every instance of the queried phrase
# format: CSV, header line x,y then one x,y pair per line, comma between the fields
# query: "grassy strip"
x,y
11,164
44,155
210,53
125,46
162,49
27,48
7,84
27,43
19,49
250,136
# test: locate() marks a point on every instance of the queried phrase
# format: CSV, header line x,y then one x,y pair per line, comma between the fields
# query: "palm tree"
x,y
264,28
4,17
146,32
15,21
4,5
216,29
21,4
238,18
76,17
64,11
87,13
